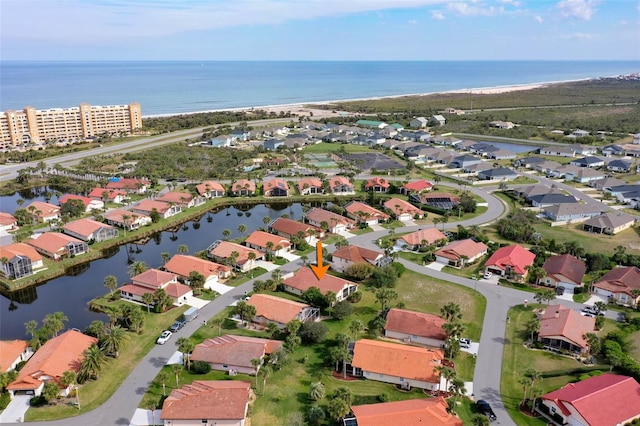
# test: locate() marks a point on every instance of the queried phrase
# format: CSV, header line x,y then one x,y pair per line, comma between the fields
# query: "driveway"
x,y
14,413
291,257
266,265
436,266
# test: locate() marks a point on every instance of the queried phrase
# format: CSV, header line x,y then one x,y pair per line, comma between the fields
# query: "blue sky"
x,y
319,29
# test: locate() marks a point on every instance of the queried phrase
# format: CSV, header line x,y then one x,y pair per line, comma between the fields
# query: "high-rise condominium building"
x,y
67,124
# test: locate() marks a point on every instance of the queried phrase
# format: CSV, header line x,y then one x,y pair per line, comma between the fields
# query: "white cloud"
x,y
437,16
539,19
580,36
581,9
515,3
412,22
468,9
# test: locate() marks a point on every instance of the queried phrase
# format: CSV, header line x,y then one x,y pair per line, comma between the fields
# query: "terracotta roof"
x,y
208,399
620,280
516,257
176,290
128,183
339,180
111,193
10,350
430,235
52,242
418,185
7,219
261,238
116,215
426,411
224,249
234,350
558,320
357,254
456,249
240,184
304,278
59,354
275,183
292,227
20,249
605,400
311,182
176,197
213,186
85,200
136,290
319,215
85,226
153,278
147,205
377,181
566,265
276,308
402,204
393,359
183,265
416,324
46,208
356,207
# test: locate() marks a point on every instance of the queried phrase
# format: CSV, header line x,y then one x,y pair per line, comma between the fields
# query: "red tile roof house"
x,y
7,222
334,222
510,262
222,251
377,184
57,246
182,265
619,285
208,402
425,411
132,186
90,230
111,195
22,260
181,199
345,257
461,252
211,189
43,212
126,219
12,353
280,311
364,213
89,203
415,327
150,281
243,188
417,186
146,207
268,243
414,240
275,188
233,354
308,186
59,354
403,210
565,270
605,400
289,228
403,365
303,279
562,329
341,185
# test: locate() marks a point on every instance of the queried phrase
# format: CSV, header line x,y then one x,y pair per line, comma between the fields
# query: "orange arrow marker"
x,y
318,269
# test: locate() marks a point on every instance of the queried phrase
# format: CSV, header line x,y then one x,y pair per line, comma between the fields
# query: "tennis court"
x,y
320,160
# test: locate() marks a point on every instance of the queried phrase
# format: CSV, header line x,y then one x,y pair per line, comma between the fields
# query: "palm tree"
x,y
176,369
111,283
317,391
266,372
114,339
356,327
137,267
256,362
94,360
524,382
266,220
31,327
272,329
447,373
162,378
185,346
385,296
532,374
70,378
226,233
183,249
451,311
148,300
457,389
337,409
165,257
242,228
533,325
54,322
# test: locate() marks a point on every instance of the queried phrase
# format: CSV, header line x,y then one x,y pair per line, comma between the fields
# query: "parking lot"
x,y
373,160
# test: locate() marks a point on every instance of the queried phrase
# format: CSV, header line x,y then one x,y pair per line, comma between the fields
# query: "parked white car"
x,y
487,275
164,337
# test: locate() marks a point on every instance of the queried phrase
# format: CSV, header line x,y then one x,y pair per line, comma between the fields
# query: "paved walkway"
x,y
15,411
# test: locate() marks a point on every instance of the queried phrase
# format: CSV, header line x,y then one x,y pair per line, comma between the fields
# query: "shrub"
x,y
383,397
313,332
355,297
200,367
4,400
342,309
578,290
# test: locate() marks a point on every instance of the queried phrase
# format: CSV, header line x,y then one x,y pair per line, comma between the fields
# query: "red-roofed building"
x,y
511,262
564,329
564,270
208,402
303,279
7,222
234,353
403,365
130,185
151,280
345,257
605,400
310,185
211,189
289,228
619,284
341,185
57,246
182,199
422,237
335,223
268,243
182,265
111,195
425,411
59,354
377,184
126,219
243,188
12,353
364,213
275,188
89,203
223,251
147,207
415,327
22,260
461,252
90,230
403,210
416,186
43,212
280,311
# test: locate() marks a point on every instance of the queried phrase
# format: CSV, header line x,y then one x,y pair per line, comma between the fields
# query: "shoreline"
x,y
302,107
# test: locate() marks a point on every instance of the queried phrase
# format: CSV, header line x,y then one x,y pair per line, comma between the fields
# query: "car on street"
x,y
176,326
592,311
465,343
484,408
164,337
487,275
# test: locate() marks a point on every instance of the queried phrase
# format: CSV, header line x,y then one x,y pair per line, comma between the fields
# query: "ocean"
x,y
175,87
